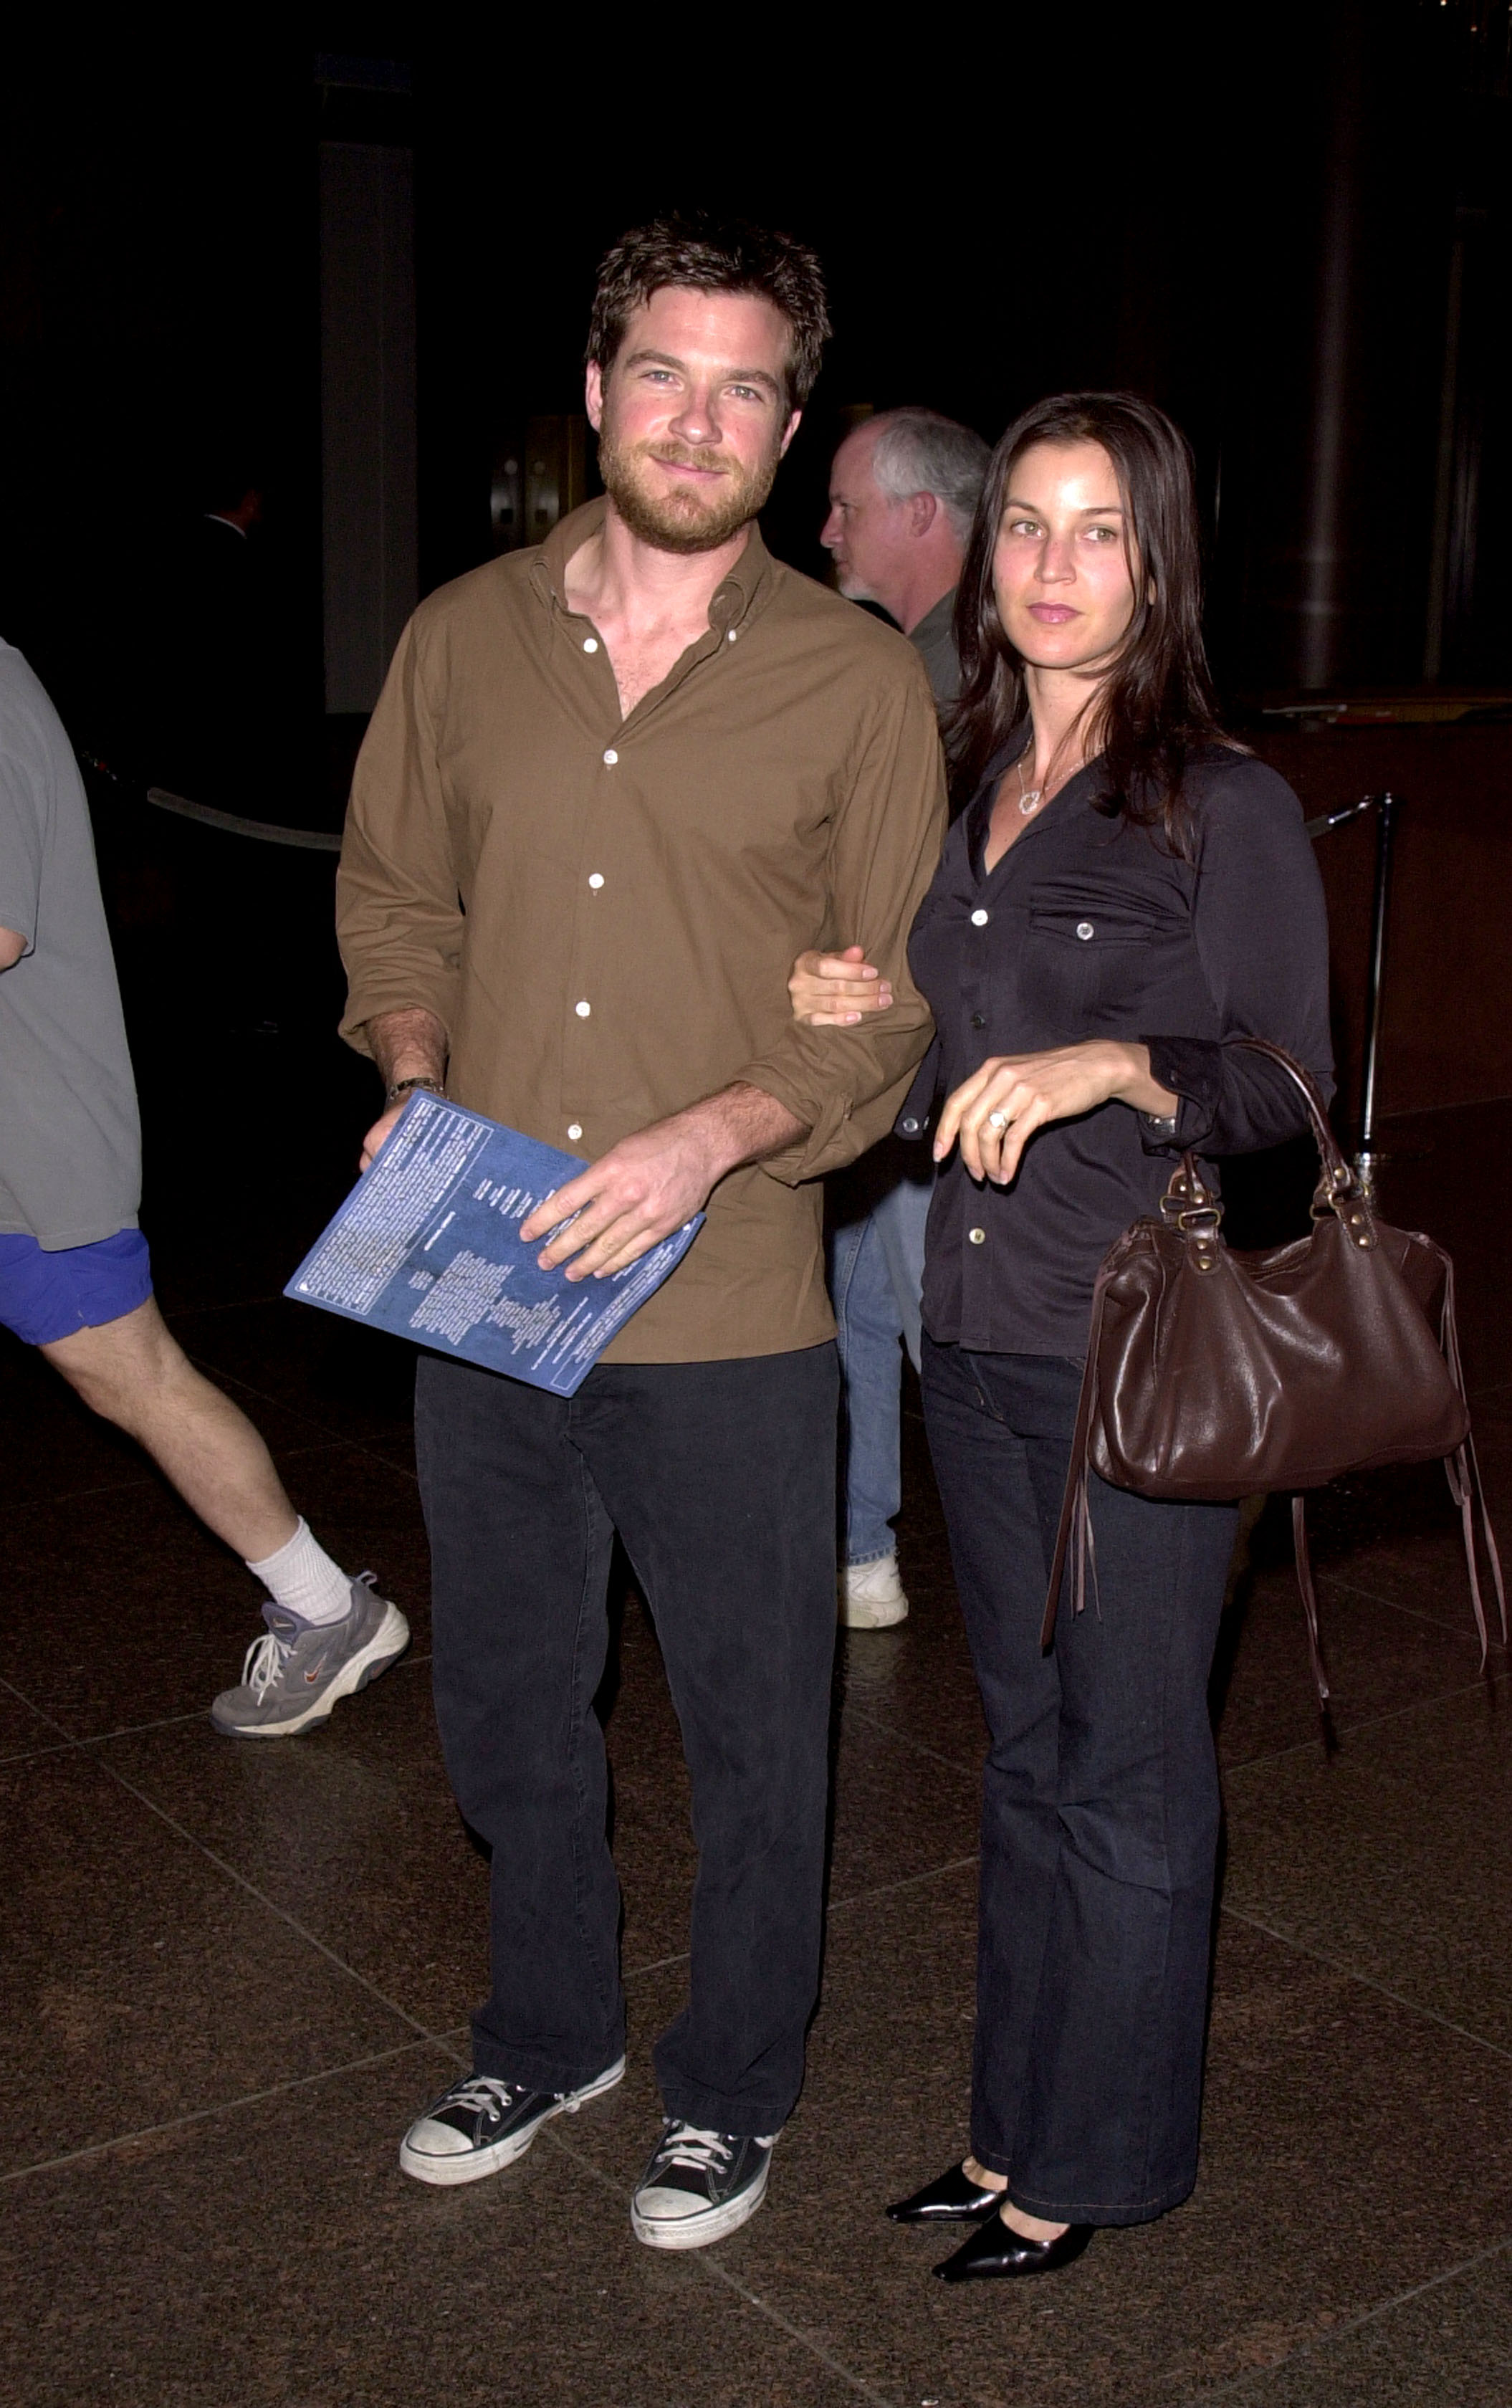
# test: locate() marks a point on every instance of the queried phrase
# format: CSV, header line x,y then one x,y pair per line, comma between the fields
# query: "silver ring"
x,y
997,1120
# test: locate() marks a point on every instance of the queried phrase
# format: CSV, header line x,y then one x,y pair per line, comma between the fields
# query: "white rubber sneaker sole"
x,y
708,2223
388,1642
472,2165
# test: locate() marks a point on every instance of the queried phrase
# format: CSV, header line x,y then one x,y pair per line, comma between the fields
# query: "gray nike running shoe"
x,y
296,1672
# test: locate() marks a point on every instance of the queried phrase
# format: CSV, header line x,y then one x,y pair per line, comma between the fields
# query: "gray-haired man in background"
x,y
904,488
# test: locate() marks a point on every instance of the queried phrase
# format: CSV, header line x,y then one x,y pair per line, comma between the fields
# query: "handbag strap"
x,y
1309,1596
1338,1183
1075,1508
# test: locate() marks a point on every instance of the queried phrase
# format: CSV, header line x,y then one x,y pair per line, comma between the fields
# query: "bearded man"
x,y
612,787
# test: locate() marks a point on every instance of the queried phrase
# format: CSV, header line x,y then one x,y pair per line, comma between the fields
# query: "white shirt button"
x,y
595,878
583,1009
610,757
733,634
575,1128
977,1237
1085,929
978,919
590,643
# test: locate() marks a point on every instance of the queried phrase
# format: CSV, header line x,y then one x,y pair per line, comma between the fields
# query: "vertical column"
x,y
368,413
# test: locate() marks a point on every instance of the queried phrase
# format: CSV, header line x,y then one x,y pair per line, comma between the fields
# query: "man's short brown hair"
x,y
707,254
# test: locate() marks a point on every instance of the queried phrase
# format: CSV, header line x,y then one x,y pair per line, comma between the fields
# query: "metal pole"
x,y
1367,1160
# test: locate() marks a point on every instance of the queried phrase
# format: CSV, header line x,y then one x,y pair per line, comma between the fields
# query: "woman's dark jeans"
x,y
1100,1806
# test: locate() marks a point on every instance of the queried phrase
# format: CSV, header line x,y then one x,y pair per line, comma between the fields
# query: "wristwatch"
x,y
405,1086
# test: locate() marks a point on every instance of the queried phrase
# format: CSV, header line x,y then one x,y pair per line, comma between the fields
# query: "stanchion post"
x,y
1367,1161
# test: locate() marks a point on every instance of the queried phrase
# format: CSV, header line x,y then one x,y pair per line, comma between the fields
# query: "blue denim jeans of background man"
x,y
1100,1802
877,1269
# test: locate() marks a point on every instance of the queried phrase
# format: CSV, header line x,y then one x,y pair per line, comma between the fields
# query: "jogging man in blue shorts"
x,y
75,1279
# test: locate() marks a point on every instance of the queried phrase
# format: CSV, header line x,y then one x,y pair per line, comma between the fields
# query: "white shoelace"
x,y
265,1659
486,2093
707,2153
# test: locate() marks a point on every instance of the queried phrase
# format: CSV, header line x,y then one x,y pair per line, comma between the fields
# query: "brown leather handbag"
x,y
1213,1373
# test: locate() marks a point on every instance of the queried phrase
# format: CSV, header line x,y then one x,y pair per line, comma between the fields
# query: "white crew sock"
x,y
302,1577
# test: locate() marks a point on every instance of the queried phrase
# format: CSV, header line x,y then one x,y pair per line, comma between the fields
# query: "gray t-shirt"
x,y
70,1140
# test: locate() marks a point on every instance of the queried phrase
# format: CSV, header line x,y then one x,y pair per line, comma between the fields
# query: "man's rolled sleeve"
x,y
399,918
845,1084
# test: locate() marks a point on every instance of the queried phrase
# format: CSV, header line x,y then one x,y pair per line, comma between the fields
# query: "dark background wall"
x,y
1291,226
1268,228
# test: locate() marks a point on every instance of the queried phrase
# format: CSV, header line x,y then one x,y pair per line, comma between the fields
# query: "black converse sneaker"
x,y
699,2185
481,2125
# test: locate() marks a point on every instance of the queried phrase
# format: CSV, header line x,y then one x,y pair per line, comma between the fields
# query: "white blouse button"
x,y
733,634
595,878
978,919
610,757
583,1009
590,643
575,1128
1085,929
977,1237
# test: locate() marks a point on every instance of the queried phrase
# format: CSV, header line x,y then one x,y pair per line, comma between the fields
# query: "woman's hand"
x,y
994,1113
832,990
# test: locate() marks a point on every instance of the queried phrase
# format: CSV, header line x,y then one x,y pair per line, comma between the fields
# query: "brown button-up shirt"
x,y
603,912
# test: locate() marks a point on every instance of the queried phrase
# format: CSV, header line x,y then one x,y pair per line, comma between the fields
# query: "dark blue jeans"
x,y
1100,1806
719,1479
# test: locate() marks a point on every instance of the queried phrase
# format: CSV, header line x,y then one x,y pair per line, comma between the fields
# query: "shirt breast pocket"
x,y
1086,964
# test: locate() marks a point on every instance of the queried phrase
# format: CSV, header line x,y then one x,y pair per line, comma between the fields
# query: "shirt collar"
x,y
735,597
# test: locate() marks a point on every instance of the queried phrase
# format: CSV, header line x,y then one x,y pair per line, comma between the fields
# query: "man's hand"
x,y
378,1135
832,990
12,946
405,1045
650,1183
997,1110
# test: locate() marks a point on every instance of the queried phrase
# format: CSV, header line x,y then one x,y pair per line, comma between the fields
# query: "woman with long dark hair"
x,y
1123,890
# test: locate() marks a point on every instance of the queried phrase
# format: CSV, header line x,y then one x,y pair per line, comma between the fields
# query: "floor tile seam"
x,y
221,1377
51,1720
410,1662
835,1906
270,1906
1461,1627
1367,1981
915,1746
1371,1722
1255,2377
223,2107
234,1304
909,1880
712,2271
365,1446
147,1478
105,1739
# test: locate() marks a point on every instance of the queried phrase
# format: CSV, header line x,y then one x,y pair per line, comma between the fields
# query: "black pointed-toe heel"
x,y
955,2198
995,2252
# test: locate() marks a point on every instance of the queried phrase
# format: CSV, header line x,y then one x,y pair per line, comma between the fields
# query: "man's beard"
x,y
852,586
683,520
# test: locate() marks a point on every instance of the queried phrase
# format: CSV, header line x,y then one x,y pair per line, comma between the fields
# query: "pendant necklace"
x,y
1029,798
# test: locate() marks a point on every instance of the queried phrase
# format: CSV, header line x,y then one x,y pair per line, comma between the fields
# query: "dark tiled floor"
x,y
230,1973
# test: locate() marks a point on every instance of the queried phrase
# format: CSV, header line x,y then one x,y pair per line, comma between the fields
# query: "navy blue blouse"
x,y
1088,926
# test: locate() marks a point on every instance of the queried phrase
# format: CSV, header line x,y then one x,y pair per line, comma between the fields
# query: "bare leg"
x,y
134,1373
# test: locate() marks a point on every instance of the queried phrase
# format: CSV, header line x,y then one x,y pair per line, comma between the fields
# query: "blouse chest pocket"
x,y
1084,962
1090,927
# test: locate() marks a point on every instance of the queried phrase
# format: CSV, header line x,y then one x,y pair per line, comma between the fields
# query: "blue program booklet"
x,y
427,1244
